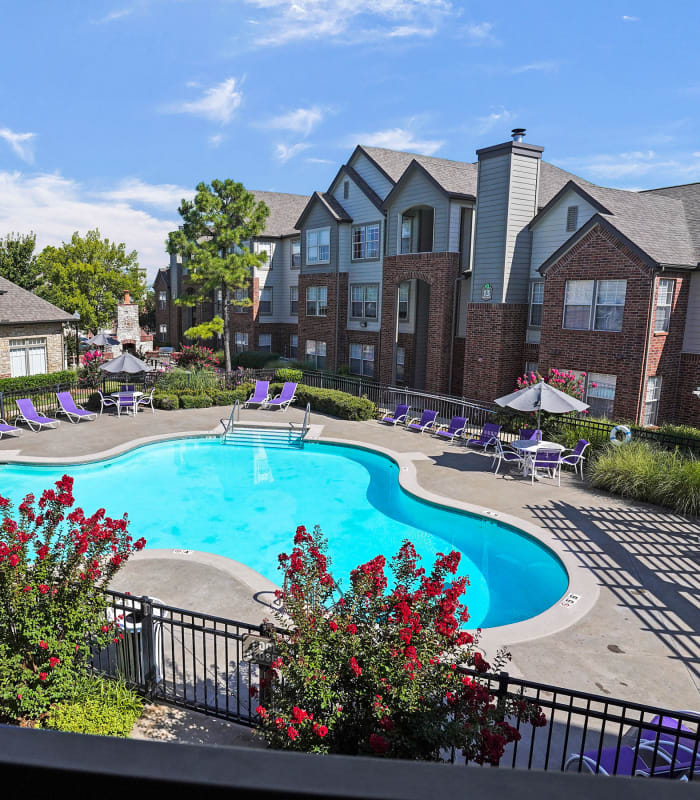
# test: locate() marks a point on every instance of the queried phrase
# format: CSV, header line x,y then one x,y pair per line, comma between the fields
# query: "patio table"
x,y
529,448
136,396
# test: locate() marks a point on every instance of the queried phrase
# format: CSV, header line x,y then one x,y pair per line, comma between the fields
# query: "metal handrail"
x,y
234,416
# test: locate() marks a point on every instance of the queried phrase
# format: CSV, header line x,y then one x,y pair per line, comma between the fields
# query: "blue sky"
x,y
110,112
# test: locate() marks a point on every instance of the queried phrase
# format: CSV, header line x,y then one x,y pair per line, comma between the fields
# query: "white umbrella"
x,y
125,363
542,397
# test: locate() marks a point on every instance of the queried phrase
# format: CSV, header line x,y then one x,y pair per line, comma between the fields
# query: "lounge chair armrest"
x,y
442,428
459,432
411,420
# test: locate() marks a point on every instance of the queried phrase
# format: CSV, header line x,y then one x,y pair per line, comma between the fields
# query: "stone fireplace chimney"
x,y
127,297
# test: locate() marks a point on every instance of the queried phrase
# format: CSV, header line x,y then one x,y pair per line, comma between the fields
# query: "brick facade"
x,y
361,337
51,331
439,271
458,352
331,328
687,404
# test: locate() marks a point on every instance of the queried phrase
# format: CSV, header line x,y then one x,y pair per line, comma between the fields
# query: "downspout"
x,y
645,361
452,333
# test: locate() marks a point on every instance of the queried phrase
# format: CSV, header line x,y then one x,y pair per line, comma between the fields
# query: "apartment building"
x,y
456,277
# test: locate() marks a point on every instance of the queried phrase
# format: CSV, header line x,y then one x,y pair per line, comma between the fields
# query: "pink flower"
x,y
356,668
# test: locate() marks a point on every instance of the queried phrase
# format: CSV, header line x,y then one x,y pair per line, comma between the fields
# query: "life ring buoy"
x,y
620,429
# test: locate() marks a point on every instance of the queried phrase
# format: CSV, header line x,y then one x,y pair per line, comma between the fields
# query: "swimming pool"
x,y
246,502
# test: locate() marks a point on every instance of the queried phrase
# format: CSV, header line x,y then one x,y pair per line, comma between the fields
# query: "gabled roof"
x,y
354,176
689,195
331,205
18,306
445,177
284,211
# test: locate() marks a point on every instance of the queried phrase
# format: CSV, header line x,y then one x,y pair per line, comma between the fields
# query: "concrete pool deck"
x,y
640,641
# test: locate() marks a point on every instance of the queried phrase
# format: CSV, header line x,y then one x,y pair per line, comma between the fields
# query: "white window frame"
x,y
240,294
240,341
25,347
162,300
265,290
266,247
361,359
362,245
266,348
594,304
315,246
595,392
315,350
400,366
666,306
598,304
293,301
652,400
364,302
536,290
407,301
318,302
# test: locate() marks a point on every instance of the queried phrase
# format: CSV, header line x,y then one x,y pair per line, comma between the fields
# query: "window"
x,y
265,302
316,301
163,332
316,353
265,342
268,248
651,403
219,297
362,360
296,253
318,246
365,241
400,364
363,302
406,235
293,345
531,367
404,296
27,357
664,298
293,300
162,300
571,219
241,341
600,394
239,296
594,305
346,190
536,302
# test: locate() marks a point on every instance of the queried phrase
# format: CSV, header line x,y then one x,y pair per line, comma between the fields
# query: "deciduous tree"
x,y
17,259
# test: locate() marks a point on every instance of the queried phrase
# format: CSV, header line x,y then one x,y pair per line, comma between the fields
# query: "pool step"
x,y
245,436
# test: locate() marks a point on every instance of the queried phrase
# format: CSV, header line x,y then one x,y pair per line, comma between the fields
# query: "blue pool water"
x,y
246,503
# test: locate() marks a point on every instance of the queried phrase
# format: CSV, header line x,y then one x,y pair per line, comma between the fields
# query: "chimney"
x,y
127,298
518,134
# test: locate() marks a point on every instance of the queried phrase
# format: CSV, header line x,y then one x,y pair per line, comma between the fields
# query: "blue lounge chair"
x,y
487,437
8,430
30,416
74,412
284,398
261,394
400,415
426,422
455,430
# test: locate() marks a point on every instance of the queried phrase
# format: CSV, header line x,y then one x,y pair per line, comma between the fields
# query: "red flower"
x,y
351,628
333,625
253,691
105,628
43,588
44,645
14,560
43,551
27,589
378,743
261,711
43,676
54,662
356,668
299,714
293,733
320,730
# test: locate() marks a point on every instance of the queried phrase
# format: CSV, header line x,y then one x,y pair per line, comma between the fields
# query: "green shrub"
x,y
100,707
195,401
227,398
200,381
36,381
286,374
685,431
166,402
253,359
330,401
679,487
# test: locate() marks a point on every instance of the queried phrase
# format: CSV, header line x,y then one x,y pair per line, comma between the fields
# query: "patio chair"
x,y
127,387
146,401
530,434
454,430
284,398
126,401
426,422
400,415
509,455
669,751
107,402
611,761
260,396
575,457
547,460
74,412
487,437
8,430
30,416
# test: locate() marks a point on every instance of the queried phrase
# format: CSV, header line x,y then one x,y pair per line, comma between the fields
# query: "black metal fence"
x,y
199,661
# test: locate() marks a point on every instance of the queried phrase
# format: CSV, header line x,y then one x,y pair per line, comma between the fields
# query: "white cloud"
x,y
480,33
696,154
302,120
348,21
630,19
54,207
21,143
216,104
114,15
397,139
622,167
310,160
537,66
161,195
502,118
283,152
215,140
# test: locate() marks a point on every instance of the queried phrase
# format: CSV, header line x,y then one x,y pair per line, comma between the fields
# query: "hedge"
x,y
36,381
330,401
166,402
253,359
195,401
292,375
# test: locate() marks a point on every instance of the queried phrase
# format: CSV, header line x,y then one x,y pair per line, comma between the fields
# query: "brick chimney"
x,y
127,297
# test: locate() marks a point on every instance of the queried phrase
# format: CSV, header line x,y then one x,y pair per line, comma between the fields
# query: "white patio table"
x,y
136,395
529,447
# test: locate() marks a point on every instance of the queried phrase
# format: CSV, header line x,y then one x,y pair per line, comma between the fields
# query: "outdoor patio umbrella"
x,y
125,363
102,340
541,397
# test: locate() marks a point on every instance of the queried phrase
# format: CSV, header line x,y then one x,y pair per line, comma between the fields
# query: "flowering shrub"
x,y
566,381
196,357
376,673
90,374
54,563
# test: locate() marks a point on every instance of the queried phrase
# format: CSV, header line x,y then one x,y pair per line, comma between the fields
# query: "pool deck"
x,y
640,641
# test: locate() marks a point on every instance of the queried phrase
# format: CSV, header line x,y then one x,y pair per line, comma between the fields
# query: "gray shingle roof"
x,y
689,195
17,306
553,179
285,210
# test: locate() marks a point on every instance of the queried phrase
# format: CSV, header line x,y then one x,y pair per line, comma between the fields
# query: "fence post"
x,y
2,405
148,648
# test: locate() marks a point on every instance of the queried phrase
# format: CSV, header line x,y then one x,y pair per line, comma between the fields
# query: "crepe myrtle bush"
x,y
564,380
90,375
375,671
54,564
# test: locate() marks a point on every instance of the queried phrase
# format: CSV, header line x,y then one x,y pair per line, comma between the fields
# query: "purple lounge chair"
x,y
426,422
575,457
261,394
8,430
453,431
611,761
284,398
546,459
530,434
400,415
509,456
74,412
487,437
30,416
669,752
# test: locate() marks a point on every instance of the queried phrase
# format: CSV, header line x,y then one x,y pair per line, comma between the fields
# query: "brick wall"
x,y
51,331
600,256
687,404
494,349
323,329
439,271
458,366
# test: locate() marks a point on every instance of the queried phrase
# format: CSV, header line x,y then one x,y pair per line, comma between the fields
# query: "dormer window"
x,y
571,219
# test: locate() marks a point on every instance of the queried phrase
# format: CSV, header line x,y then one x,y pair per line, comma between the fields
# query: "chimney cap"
x,y
518,134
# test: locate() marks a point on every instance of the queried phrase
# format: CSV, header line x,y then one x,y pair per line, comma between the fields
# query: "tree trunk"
x,y
227,328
